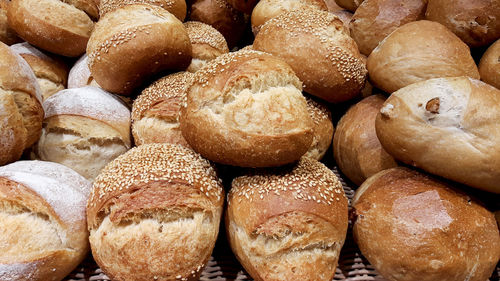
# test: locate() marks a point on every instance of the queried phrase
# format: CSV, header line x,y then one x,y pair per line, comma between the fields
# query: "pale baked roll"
x,y
176,7
246,109
151,39
154,214
50,71
322,129
155,113
489,66
398,62
446,126
43,228
356,148
207,44
412,227
79,76
288,224
318,48
84,129
7,34
350,5
61,27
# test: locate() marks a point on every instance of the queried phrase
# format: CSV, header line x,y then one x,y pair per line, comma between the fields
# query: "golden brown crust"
x,y
489,66
207,43
412,227
350,5
13,134
7,34
176,7
322,129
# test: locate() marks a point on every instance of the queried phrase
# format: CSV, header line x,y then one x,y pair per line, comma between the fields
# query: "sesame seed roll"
x,y
176,7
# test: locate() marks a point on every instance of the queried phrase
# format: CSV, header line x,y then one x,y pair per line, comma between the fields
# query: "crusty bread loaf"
x,y
79,76
288,224
447,126
356,148
151,39
13,134
412,227
322,129
7,34
246,109
176,7
489,66
398,62
154,214
43,229
350,5
320,51
84,129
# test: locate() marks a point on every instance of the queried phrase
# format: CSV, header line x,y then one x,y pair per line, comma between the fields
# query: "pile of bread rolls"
x,y
119,119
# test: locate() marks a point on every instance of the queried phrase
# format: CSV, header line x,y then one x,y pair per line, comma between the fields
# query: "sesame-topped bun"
x,y
207,43
155,113
43,228
397,62
176,7
7,34
51,72
288,223
489,66
151,39
318,48
61,27
84,129
246,109
322,129
79,75
350,5
412,227
154,214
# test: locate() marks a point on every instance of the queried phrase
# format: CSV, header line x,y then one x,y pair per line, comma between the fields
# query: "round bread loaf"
x,y
50,71
350,5
446,126
318,48
176,7
375,19
61,27
84,129
412,227
7,34
322,129
154,214
207,44
79,75
356,148
489,66
43,229
155,113
151,39
288,224
246,109
397,63
477,22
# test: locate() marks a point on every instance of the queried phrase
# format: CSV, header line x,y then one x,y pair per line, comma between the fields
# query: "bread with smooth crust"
x,y
356,148
288,224
375,19
412,227
154,214
397,62
176,7
489,66
246,109
43,228
318,48
151,39
7,34
350,5
446,126
322,129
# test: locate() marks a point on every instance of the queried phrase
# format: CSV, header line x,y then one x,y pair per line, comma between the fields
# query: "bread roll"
x,y
322,129
412,227
397,63
155,113
489,66
375,19
318,49
350,5
290,224
50,71
332,6
151,39
207,44
345,16
356,148
43,229
477,23
80,76
176,7
7,34
446,126
154,214
246,109
61,27
84,129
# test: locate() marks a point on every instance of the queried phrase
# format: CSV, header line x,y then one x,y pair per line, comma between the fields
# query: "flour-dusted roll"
x,y
418,51
134,42
288,224
176,7
412,227
61,27
79,76
322,129
154,214
84,129
246,109
446,126
489,66
7,34
43,228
